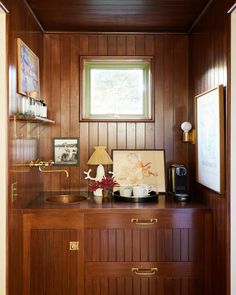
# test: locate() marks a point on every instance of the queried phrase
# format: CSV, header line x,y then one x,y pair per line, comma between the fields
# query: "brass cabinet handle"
x,y
144,272
144,221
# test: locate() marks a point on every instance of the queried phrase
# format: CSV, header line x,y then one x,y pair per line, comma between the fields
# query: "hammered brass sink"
x,y
65,199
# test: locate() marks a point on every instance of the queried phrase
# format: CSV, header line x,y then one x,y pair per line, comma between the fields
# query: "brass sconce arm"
x,y
42,170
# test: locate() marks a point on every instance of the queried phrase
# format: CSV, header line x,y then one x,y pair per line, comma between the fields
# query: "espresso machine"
x,y
178,182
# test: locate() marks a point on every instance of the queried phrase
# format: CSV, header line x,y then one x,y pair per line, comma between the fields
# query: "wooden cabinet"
x,y
53,254
107,278
133,252
148,253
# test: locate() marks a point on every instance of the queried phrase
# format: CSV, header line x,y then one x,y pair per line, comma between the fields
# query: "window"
x,y
116,89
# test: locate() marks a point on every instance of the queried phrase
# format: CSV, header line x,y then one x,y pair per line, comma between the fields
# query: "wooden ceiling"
x,y
117,15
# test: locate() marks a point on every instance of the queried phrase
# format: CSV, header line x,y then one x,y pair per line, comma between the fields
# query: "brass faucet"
x,y
36,163
42,169
42,165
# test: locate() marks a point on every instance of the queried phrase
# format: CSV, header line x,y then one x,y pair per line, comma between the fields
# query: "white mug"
x,y
149,187
125,191
140,191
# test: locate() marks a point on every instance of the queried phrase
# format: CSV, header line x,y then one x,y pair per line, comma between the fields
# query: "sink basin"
x,y
65,199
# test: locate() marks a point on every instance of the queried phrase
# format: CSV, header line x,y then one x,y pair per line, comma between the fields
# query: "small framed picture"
x,y
132,167
65,151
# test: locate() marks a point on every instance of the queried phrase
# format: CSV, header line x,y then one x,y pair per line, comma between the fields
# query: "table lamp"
x,y
99,157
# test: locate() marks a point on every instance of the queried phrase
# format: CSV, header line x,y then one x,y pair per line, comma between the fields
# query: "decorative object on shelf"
x,y
65,151
99,157
37,108
132,167
210,147
43,109
28,70
103,187
188,132
28,106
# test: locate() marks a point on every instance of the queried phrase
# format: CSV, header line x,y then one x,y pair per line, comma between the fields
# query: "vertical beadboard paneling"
x,y
75,127
208,58
124,245
170,70
24,148
52,265
120,285
56,99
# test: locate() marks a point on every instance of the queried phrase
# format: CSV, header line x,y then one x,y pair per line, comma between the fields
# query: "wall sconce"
x,y
189,133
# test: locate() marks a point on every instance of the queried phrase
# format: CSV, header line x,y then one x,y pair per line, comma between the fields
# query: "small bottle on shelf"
x,y
32,109
38,110
43,109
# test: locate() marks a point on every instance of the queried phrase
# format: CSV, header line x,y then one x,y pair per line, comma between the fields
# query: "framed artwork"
x,y
65,151
133,167
27,70
210,142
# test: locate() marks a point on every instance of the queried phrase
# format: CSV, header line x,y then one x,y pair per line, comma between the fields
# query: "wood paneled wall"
x,y
61,90
24,148
209,61
23,144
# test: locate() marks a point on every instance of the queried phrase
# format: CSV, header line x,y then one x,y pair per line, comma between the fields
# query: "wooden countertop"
x,y
164,202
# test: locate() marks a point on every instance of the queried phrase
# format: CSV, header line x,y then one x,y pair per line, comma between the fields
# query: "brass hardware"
x,y
41,165
189,136
74,246
13,191
54,171
144,221
145,272
36,163
65,199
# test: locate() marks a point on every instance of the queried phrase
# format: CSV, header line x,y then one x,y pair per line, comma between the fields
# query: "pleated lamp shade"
x,y
100,156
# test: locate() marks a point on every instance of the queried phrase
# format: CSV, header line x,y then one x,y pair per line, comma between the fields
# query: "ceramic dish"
x,y
152,196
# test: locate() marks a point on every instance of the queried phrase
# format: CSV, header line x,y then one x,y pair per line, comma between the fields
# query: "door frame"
x,y
4,110
233,153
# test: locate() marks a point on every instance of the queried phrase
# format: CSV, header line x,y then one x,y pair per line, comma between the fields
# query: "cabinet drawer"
x,y
143,278
115,238
144,220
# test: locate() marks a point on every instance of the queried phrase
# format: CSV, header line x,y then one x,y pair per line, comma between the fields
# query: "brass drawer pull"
x,y
144,221
144,272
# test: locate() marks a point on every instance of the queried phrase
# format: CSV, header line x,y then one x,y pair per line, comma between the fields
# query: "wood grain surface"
x,y
210,67
113,16
61,89
25,146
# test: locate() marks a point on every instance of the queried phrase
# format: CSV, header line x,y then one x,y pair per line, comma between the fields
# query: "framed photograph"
x,y
133,167
28,70
210,142
66,151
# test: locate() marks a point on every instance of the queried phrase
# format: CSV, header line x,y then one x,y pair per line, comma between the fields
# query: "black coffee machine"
x,y
178,182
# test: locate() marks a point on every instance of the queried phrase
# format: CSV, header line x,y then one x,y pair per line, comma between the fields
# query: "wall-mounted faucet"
x,y
42,169
42,165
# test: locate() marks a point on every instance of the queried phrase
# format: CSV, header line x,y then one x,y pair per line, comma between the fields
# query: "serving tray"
x,y
152,196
